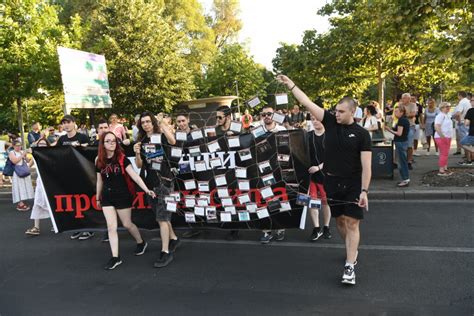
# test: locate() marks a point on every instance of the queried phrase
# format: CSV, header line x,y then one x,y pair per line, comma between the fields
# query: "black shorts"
x,y
340,192
118,199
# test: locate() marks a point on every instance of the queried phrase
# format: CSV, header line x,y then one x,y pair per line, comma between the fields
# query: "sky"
x,y
266,23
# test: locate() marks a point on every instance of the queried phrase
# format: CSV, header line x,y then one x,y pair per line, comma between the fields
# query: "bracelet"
x,y
365,190
294,85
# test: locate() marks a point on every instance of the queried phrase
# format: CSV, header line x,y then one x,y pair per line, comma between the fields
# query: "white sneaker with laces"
x,y
349,276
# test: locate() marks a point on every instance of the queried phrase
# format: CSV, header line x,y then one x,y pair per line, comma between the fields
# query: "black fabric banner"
x,y
250,181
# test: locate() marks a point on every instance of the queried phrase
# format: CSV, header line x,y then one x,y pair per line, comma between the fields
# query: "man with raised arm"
x,y
347,167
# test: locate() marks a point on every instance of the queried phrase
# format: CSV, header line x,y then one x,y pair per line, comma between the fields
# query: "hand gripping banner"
x,y
249,181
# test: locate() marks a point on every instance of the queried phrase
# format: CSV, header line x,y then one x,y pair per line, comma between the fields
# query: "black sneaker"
x,y
280,235
106,237
349,276
76,235
233,235
326,232
174,243
410,167
164,260
316,234
86,235
191,233
140,250
457,153
465,163
113,263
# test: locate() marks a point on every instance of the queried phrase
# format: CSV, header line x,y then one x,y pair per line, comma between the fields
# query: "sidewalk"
x,y
386,189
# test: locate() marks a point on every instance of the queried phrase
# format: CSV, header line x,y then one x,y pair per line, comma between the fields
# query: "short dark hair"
x,y
351,101
224,109
103,121
186,115
371,109
462,94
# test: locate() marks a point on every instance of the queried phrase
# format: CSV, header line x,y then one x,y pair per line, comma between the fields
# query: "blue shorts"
x,y
462,131
467,141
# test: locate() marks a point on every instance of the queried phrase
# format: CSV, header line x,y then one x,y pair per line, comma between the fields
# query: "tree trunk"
x,y
20,111
380,86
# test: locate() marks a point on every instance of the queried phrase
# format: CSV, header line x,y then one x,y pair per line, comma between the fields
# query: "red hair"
x,y
102,153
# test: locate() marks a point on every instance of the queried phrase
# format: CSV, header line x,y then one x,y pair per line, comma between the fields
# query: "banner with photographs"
x,y
255,180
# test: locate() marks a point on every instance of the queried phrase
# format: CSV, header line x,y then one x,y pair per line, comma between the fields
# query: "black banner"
x,y
250,181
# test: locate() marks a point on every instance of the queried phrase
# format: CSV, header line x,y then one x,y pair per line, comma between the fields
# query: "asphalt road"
x,y
416,258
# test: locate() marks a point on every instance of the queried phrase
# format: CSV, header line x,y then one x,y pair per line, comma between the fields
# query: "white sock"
x,y
350,265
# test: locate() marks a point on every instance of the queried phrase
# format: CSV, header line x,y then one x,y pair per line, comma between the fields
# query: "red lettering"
x,y
280,193
59,204
139,202
81,207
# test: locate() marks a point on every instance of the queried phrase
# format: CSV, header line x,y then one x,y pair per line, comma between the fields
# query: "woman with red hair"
x,y
114,171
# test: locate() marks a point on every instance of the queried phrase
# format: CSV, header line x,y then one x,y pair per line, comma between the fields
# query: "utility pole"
x,y
238,102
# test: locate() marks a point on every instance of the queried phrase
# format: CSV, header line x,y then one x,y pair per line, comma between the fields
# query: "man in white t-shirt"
x,y
458,115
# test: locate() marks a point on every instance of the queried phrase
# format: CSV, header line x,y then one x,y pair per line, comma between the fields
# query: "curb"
x,y
453,194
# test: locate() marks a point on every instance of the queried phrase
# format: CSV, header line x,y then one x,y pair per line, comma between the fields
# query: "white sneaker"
x,y
416,154
349,276
427,153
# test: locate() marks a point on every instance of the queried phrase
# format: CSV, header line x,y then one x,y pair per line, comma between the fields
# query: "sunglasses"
x,y
266,114
219,117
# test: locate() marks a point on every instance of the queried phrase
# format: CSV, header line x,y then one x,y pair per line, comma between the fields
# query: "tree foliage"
x,y
413,44
233,64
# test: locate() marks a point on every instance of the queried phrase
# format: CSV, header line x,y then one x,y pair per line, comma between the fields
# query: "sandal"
x,y
33,231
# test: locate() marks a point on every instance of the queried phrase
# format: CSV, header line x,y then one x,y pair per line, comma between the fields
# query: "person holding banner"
x,y
347,166
73,138
316,186
154,135
270,126
114,175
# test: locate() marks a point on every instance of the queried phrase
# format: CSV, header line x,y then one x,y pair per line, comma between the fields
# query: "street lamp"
x,y
237,90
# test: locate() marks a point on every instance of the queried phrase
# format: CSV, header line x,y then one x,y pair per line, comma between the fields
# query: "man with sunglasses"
x,y
270,126
347,166
223,120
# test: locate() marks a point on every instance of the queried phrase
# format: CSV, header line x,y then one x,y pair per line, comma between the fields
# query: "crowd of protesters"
x,y
410,123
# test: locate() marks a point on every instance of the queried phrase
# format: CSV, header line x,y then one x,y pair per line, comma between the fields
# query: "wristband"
x,y
365,190
291,89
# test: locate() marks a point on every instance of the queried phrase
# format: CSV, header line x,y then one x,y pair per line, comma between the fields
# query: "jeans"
x,y
401,149
411,136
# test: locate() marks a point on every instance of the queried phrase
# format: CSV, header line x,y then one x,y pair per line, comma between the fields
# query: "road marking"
x,y
331,246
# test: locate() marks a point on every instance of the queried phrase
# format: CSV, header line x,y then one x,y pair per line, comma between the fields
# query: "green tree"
x,y
225,22
30,33
233,64
146,66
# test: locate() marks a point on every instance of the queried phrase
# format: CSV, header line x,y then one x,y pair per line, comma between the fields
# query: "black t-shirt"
x,y
78,138
470,116
403,121
342,147
316,154
155,162
418,114
112,176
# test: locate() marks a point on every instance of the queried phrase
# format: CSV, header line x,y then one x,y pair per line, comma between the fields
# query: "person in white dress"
x,y
40,206
22,188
